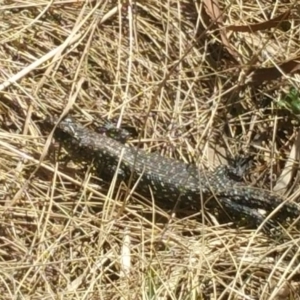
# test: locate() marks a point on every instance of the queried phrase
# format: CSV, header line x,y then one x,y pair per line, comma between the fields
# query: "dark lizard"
x,y
171,180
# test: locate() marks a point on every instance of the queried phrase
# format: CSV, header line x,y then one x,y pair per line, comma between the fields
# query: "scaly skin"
x,y
169,179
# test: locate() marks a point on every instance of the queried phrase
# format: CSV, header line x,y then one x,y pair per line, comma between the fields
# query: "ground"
x,y
200,81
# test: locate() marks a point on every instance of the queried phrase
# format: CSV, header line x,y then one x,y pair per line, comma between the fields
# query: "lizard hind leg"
x,y
248,216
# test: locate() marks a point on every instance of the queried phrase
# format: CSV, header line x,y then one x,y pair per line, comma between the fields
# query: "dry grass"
x,y
162,68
